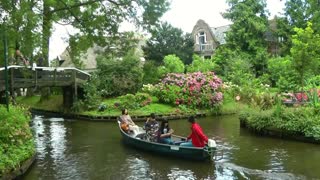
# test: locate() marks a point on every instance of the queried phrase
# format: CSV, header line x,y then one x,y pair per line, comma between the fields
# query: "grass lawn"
x,y
55,103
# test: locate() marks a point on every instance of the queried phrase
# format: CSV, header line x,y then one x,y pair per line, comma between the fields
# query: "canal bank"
x,y
17,148
300,123
72,149
53,107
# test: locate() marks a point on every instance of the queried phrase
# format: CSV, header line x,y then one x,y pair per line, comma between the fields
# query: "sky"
x,y
183,14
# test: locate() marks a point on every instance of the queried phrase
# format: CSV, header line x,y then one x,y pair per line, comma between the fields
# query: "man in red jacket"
x,y
197,137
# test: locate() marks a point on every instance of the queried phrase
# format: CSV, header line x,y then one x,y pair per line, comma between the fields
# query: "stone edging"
x,y
279,133
19,171
109,118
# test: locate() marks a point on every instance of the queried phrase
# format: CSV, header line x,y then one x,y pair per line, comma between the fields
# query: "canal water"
x,y
71,149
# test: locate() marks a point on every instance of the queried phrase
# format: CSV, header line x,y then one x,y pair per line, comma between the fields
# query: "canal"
x,y
71,149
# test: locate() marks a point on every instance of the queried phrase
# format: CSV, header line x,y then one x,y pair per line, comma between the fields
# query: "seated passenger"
x,y
127,124
152,126
165,133
197,138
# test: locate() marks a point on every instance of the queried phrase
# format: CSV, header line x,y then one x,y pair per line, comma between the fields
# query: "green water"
x,y
69,149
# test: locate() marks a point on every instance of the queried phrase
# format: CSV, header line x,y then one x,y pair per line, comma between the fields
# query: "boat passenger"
x,y
197,138
165,133
127,124
152,128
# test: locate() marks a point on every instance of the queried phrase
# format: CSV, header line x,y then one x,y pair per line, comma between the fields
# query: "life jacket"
x,y
124,126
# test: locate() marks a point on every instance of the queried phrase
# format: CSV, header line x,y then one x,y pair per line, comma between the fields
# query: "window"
x,y
202,37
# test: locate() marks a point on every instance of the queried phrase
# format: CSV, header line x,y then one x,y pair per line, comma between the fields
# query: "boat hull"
x,y
193,153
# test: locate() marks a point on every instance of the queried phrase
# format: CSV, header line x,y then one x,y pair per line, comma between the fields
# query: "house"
x,y
88,59
207,38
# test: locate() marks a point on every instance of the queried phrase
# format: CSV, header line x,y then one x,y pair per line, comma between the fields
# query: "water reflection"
x,y
40,139
57,140
90,150
277,157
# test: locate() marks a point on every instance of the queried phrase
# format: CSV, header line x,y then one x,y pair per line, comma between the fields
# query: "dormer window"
x,y
201,38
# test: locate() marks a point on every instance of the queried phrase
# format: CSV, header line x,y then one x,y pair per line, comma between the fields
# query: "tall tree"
x,y
94,19
296,15
305,52
250,23
20,21
166,40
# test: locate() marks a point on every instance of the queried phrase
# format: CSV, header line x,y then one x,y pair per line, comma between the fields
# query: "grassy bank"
x,y
54,103
301,121
16,140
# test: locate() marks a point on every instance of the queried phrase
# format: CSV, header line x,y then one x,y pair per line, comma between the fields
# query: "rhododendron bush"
x,y
195,90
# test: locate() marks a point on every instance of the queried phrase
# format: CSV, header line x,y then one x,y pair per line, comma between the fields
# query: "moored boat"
x,y
194,153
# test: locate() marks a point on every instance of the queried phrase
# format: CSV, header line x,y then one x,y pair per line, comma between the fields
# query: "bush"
x,y
195,90
119,77
201,64
131,101
299,121
172,64
16,140
150,73
282,74
92,95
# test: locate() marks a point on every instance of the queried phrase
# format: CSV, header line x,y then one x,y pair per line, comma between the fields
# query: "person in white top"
x,y
126,119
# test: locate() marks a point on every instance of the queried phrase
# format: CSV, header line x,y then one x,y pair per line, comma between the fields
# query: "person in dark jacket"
x,y
165,132
152,127
197,138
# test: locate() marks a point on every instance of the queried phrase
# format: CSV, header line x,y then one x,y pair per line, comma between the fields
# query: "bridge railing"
x,y
24,77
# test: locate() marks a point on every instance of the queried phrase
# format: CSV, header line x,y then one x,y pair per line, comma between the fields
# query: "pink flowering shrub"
x,y
196,90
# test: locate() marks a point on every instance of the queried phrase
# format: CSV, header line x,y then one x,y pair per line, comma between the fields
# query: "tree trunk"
x,y
46,33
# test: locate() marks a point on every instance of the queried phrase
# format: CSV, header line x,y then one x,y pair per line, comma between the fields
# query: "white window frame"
x,y
202,35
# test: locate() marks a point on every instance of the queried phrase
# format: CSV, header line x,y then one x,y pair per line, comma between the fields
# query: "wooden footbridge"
x,y
38,77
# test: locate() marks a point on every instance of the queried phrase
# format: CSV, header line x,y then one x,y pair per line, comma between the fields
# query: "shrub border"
x,y
278,133
20,170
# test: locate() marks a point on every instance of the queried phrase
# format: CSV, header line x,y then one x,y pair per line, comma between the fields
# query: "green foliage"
x,y
200,64
130,101
150,73
166,40
239,70
172,64
305,53
296,121
118,77
249,25
15,138
282,74
94,20
91,94
296,15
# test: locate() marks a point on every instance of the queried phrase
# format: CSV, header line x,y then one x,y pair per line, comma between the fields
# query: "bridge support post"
x,y
68,97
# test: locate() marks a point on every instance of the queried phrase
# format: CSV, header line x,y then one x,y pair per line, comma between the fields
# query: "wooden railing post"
x,y
36,78
75,85
12,82
54,76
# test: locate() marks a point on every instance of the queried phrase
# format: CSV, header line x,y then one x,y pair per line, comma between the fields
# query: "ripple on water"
x,y
227,171
179,174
